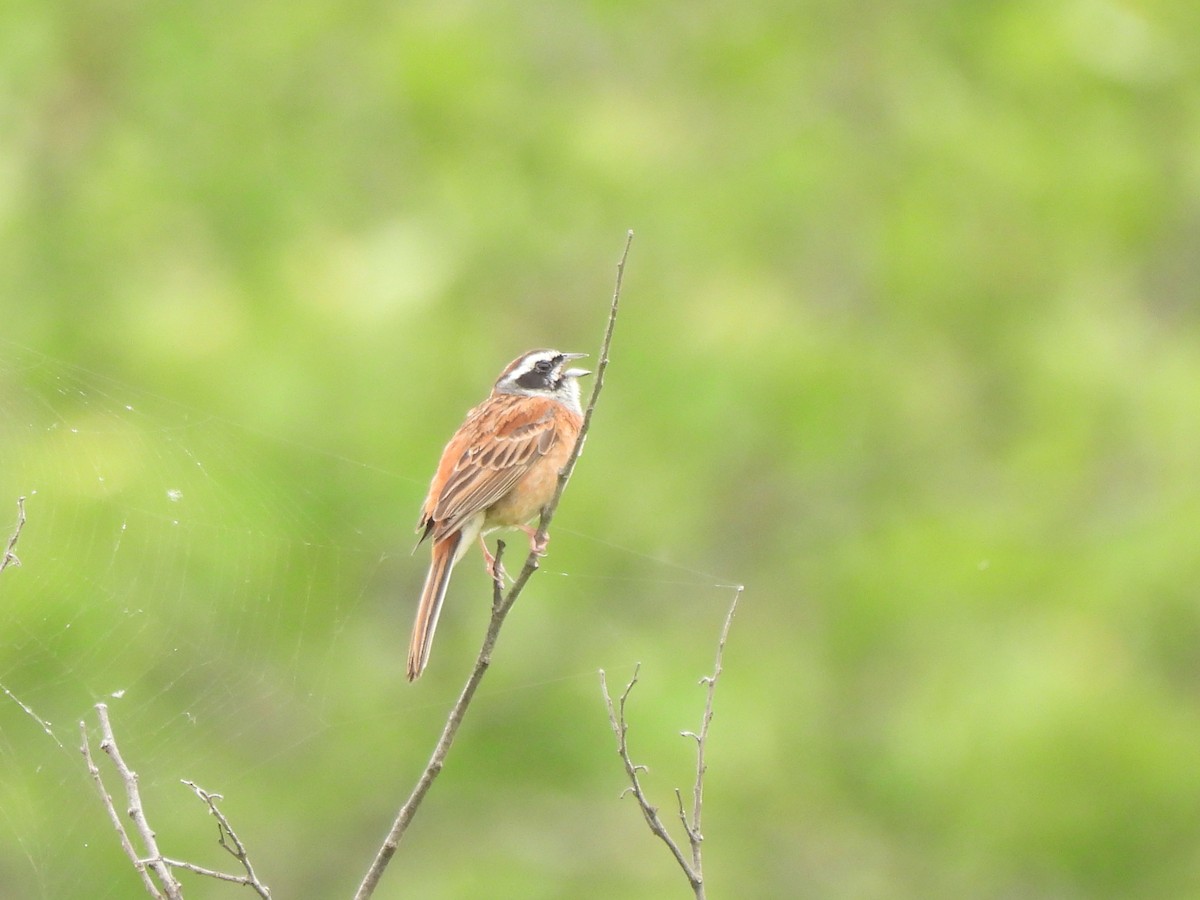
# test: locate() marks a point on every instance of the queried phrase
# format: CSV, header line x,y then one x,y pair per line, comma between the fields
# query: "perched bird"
x,y
499,470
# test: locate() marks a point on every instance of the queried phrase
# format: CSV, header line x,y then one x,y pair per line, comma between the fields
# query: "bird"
x,y
499,470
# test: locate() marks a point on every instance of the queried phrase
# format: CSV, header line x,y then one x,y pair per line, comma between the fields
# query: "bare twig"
x,y
620,727
152,860
694,870
115,818
10,556
602,366
153,864
228,839
695,836
501,604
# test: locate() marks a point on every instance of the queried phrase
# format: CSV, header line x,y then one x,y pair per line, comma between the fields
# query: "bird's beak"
x,y
575,373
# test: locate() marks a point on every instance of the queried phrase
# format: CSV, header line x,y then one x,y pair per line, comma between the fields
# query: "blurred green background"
x,y
910,346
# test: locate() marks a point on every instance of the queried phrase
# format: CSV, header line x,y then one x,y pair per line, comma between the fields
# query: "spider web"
x,y
170,572
161,572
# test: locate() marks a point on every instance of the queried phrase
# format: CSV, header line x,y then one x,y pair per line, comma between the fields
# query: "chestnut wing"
x,y
485,459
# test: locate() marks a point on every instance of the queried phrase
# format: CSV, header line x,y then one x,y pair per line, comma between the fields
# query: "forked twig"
x,y
620,727
152,861
693,869
501,604
153,864
229,840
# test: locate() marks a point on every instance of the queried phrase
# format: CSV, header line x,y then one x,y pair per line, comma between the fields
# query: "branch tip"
x,y
9,557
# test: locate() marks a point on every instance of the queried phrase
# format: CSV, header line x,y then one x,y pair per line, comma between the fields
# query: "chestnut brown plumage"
x,y
498,470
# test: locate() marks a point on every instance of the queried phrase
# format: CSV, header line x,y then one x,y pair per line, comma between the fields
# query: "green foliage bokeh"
x,y
910,347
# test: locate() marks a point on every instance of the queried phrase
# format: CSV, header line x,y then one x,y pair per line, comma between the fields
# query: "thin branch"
x,y
694,870
206,872
10,556
501,604
602,366
695,835
153,863
152,859
620,727
228,839
114,816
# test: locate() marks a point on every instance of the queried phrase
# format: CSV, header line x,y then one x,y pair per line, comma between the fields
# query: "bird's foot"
x,y
495,568
537,546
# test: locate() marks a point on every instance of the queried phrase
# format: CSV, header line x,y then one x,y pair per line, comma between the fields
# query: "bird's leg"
x,y
494,570
535,546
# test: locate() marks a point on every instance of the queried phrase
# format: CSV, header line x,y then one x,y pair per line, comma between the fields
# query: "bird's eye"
x,y
543,366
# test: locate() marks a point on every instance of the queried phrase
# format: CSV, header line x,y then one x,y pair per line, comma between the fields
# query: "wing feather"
x,y
486,458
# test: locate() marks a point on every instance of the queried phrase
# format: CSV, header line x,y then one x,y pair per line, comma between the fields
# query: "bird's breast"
x,y
536,487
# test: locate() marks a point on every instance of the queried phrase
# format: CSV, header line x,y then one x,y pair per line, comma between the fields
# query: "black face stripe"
x,y
541,375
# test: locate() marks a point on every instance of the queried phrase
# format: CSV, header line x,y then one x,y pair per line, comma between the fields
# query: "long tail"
x,y
430,607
